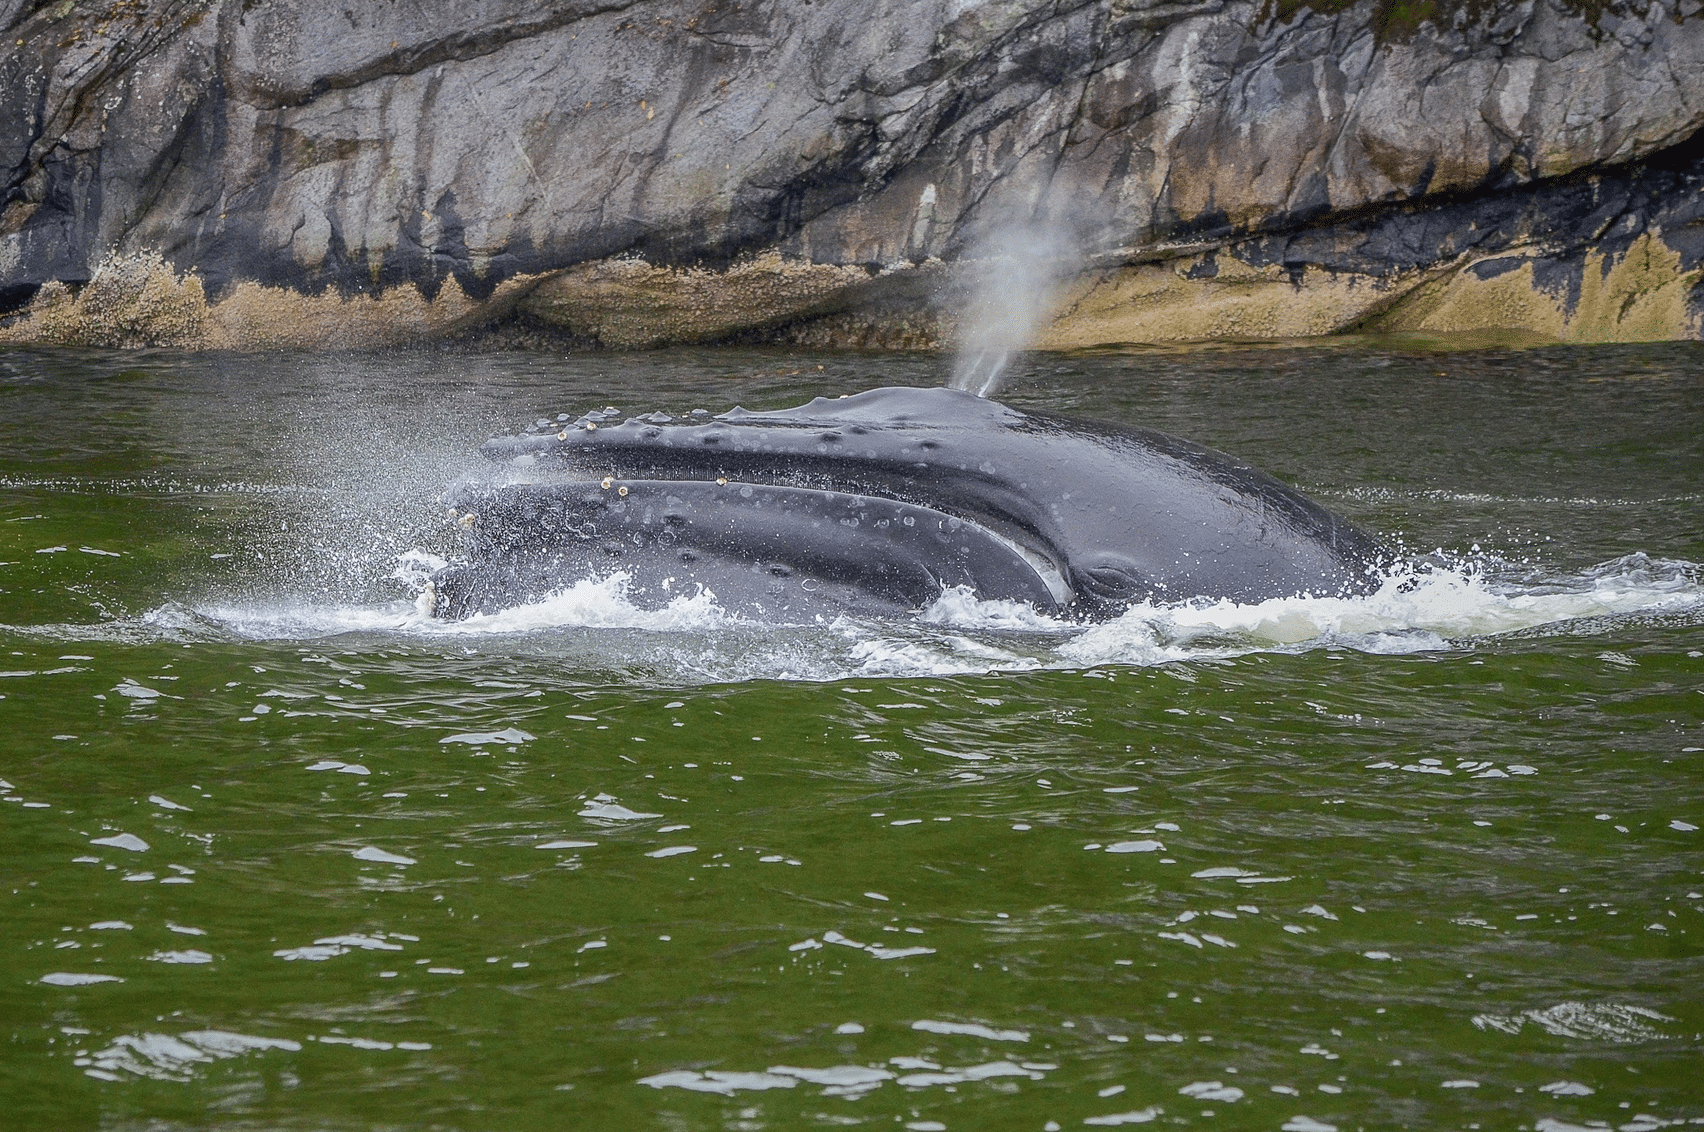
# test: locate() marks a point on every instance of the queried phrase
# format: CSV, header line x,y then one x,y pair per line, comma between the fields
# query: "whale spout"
x,y
878,502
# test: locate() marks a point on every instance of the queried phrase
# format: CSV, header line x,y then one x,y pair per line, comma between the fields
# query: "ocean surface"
x,y
280,851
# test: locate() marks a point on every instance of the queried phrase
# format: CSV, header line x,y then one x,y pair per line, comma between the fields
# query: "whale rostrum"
x,y
880,501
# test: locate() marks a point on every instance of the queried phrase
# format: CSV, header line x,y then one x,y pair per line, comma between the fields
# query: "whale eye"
x,y
1113,576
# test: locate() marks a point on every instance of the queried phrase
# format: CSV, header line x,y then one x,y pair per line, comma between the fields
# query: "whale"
x,y
878,503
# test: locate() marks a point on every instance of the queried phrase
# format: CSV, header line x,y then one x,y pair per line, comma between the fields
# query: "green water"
x,y
1423,860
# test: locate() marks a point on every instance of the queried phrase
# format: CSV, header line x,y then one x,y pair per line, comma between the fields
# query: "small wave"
x,y
595,625
1416,609
886,655
595,603
1385,495
1607,1021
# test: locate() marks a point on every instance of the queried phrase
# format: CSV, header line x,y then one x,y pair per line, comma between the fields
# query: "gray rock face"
x,y
349,149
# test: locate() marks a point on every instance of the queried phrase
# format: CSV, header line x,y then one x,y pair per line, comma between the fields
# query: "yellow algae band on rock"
x,y
1640,295
139,300
1642,292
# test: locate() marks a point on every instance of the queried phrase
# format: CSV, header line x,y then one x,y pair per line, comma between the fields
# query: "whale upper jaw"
x,y
878,502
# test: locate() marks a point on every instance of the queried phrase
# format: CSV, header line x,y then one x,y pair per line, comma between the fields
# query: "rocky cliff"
x,y
302,172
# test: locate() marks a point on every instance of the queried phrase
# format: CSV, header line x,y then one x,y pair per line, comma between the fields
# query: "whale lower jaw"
x,y
778,551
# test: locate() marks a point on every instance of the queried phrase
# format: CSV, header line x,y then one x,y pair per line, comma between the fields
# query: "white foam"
x,y
1435,606
882,655
1410,612
958,607
414,567
600,603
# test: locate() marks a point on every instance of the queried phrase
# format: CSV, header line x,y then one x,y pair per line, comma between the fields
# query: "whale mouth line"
x,y
1045,568
1046,560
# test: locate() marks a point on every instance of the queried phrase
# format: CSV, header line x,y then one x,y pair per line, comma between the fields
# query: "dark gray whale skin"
x,y
877,502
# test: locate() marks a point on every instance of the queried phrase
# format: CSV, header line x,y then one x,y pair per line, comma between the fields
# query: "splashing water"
x,y
591,603
594,625
1411,612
